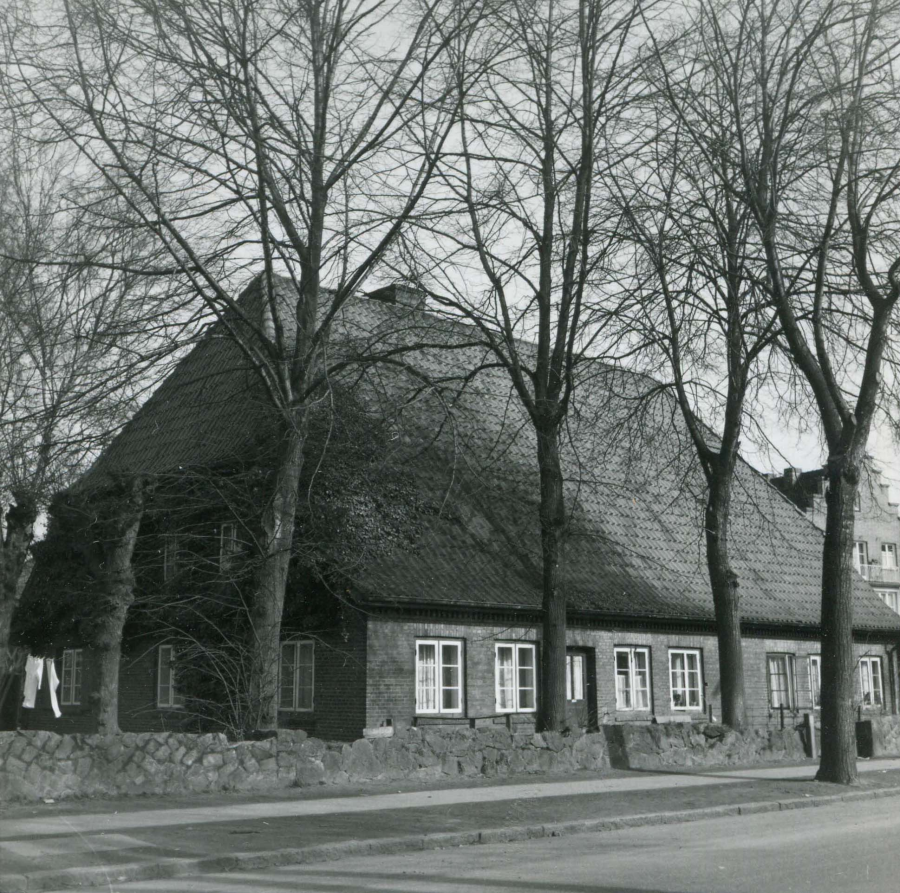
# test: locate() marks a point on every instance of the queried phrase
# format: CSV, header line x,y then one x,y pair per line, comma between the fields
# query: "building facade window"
x,y
167,694
815,680
870,682
70,683
297,676
860,554
780,670
686,679
170,556
439,676
228,545
632,678
575,677
516,678
890,598
889,556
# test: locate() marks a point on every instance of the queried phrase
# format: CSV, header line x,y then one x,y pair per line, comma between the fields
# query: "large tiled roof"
x,y
636,547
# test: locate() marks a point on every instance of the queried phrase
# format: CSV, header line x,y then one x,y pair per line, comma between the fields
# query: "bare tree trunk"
x,y
552,704
109,648
13,556
117,576
727,601
267,604
838,762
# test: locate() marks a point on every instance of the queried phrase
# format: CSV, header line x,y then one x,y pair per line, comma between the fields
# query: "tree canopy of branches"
x,y
78,343
254,134
517,237
810,94
700,321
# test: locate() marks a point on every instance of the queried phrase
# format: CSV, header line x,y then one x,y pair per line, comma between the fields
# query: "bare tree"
x,y
810,94
288,136
516,236
701,320
78,345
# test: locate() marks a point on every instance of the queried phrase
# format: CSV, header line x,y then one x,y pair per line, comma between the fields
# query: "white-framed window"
x,y
686,679
889,555
228,545
575,676
70,684
890,598
516,678
860,554
815,680
870,684
297,676
781,676
167,694
439,676
632,678
170,556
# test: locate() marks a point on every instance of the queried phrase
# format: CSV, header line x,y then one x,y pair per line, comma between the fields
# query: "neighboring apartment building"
x,y
877,524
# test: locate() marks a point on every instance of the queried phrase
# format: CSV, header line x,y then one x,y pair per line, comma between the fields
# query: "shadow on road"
x,y
385,883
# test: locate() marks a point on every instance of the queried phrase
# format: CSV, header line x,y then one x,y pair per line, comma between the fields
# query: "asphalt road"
x,y
847,847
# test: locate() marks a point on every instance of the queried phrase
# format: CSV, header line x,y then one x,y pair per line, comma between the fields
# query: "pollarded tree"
x,y
290,137
517,237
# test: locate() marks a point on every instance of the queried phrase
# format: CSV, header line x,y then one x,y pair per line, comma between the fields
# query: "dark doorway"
x,y
581,695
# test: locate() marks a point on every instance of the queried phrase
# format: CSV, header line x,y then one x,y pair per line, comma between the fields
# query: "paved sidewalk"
x,y
61,846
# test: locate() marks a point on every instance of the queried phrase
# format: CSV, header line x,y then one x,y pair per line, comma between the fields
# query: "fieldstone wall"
x,y
878,736
40,764
682,745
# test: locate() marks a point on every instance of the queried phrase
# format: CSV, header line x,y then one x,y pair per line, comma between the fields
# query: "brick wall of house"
x,y
138,711
339,692
391,669
339,697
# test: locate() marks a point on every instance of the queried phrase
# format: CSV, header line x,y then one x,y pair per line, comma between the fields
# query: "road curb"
x,y
71,878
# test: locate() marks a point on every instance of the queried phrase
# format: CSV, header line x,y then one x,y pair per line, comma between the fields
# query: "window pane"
x,y
505,678
568,677
305,654
76,694
641,680
286,698
450,676
876,682
686,680
426,677
577,686
164,676
623,680
525,654
815,681
778,683
67,677
679,679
